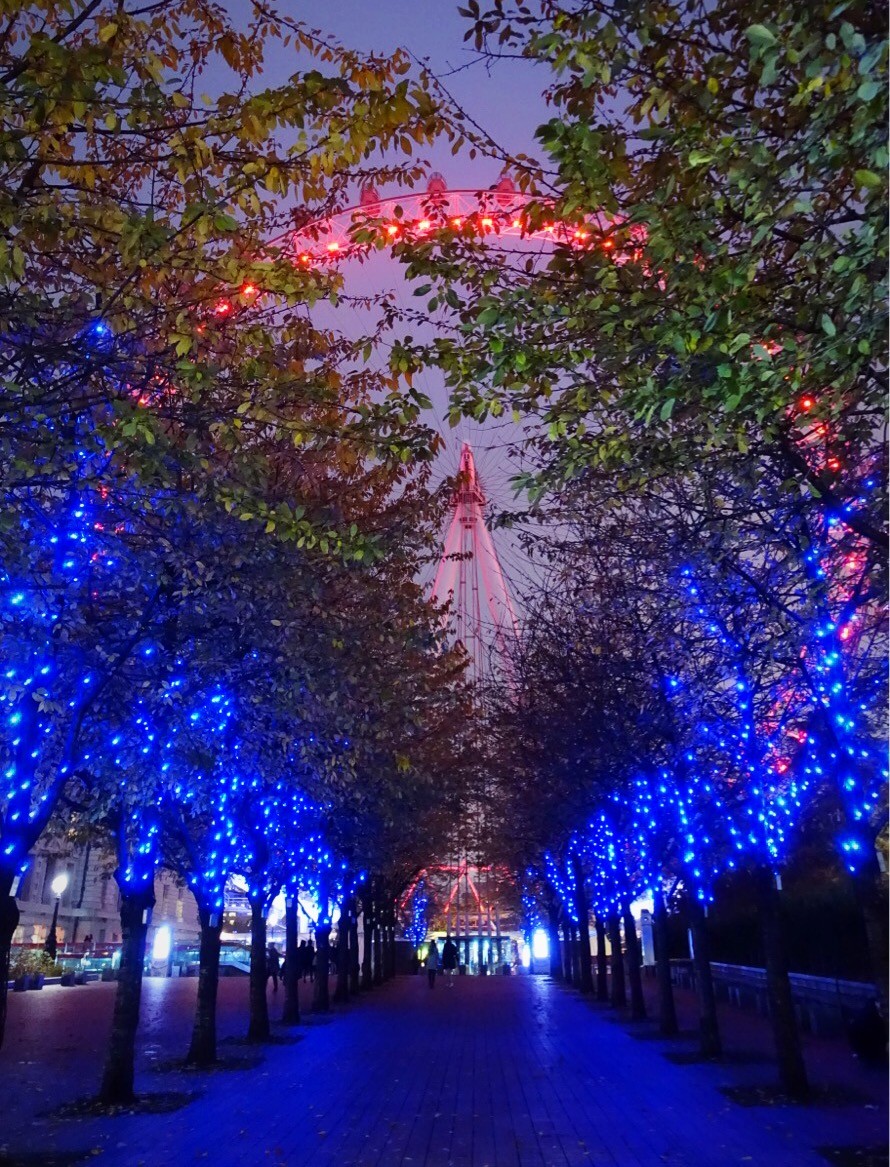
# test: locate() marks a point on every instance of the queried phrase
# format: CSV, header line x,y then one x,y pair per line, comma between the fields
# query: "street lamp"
x,y
58,885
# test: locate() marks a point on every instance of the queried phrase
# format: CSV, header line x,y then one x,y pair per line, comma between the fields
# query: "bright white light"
x,y
59,883
277,911
525,954
643,904
160,949
540,944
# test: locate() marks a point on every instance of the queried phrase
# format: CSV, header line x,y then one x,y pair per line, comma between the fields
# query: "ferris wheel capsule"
x,y
369,198
505,191
436,184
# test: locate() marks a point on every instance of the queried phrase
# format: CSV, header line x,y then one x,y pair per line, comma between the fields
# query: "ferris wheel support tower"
x,y
470,576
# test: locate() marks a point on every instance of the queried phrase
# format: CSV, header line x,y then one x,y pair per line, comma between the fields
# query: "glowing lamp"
x,y
540,944
333,247
391,230
162,943
424,225
60,883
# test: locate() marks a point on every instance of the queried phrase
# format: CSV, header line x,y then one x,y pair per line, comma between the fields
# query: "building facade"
x,y
89,907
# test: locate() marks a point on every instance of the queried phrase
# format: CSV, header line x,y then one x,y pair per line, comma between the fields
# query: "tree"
x,y
155,357
722,174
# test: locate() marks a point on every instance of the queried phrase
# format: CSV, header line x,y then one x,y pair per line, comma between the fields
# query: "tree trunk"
x,y
709,1026
389,941
602,962
9,921
321,1000
341,990
354,968
576,963
555,956
634,975
585,982
258,1025
378,953
290,1013
367,946
872,901
117,1078
792,1071
618,994
567,953
202,1051
667,1011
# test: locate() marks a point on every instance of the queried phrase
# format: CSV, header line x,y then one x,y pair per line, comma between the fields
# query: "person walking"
x,y
449,960
273,966
432,963
310,960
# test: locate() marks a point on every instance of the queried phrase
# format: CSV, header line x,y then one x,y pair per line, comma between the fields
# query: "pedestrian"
x,y
867,1032
310,960
273,966
450,958
432,963
302,961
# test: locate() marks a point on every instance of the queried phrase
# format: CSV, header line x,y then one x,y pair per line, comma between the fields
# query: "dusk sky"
x,y
505,100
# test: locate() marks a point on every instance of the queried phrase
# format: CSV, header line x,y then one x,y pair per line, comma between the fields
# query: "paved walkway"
x,y
493,1072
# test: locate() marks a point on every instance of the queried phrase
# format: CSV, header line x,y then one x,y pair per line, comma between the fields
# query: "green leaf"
x,y
760,35
667,409
867,178
828,326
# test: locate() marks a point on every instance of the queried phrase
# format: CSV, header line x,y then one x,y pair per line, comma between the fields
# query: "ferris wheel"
x,y
499,211
471,576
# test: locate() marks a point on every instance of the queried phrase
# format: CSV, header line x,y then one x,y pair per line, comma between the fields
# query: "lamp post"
x,y
58,885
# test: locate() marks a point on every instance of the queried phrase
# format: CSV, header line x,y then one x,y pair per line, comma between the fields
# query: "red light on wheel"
x,y
392,230
806,403
249,290
488,222
305,258
424,225
517,222
223,308
333,247
608,244
457,222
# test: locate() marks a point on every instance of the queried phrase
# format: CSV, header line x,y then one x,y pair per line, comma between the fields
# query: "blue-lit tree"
x,y
77,609
276,828
417,922
200,844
